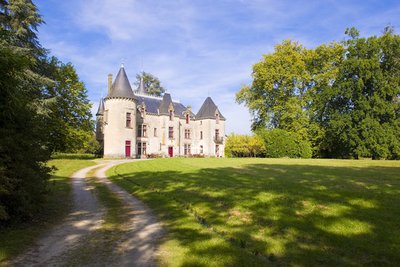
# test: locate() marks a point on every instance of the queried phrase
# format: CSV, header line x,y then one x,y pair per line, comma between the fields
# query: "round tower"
x,y
119,118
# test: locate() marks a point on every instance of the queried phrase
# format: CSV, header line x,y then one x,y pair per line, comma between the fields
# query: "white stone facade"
x,y
138,125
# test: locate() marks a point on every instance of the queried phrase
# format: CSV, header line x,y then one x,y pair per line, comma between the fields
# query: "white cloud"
x,y
196,48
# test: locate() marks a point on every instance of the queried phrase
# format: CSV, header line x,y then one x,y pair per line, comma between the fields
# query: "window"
x,y
216,133
187,118
142,130
171,115
142,112
201,134
217,118
201,149
144,146
141,148
187,133
171,132
155,132
128,120
186,150
217,150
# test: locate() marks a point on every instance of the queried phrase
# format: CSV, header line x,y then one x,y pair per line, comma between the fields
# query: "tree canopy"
x,y
43,108
342,97
151,83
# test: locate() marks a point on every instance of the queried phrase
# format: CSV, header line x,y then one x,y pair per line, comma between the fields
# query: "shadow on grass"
x,y
19,235
272,214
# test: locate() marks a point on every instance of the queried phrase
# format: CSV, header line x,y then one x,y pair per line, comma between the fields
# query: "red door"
x,y
127,149
171,151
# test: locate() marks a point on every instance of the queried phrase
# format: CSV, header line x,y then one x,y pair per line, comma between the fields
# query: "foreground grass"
x,y
271,211
18,237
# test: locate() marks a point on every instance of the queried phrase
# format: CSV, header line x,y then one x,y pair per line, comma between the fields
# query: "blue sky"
x,y
196,48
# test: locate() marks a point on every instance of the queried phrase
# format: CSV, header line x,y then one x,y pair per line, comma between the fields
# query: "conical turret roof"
x,y
100,111
142,89
121,86
208,110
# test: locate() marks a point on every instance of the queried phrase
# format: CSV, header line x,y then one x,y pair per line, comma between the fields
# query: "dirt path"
x,y
136,248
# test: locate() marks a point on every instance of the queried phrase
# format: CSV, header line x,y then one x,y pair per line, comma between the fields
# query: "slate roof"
x,y
208,110
155,105
142,89
100,111
121,86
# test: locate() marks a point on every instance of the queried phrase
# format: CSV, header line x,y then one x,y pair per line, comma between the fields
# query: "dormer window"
x,y
171,115
187,118
142,112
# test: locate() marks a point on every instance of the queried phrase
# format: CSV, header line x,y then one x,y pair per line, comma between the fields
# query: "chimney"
x,y
109,83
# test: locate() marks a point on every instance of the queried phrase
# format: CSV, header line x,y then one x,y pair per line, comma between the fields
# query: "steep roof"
x,y
208,110
165,103
121,86
100,111
155,105
142,89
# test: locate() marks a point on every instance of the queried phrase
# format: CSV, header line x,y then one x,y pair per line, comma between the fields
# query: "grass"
x,y
18,237
257,212
98,248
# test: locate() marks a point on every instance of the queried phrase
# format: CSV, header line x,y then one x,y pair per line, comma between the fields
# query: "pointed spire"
x,y
208,110
100,111
121,86
142,89
165,104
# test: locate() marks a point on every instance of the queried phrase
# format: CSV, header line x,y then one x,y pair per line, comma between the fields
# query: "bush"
x,y
196,156
280,143
154,156
244,146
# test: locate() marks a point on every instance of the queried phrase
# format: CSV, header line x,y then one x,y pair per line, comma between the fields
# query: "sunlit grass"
x,y
17,237
271,211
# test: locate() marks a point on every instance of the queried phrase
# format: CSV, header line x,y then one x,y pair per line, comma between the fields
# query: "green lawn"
x,y
253,212
19,236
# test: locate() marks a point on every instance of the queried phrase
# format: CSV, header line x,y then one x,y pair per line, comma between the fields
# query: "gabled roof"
x,y
165,104
100,111
153,105
121,86
208,110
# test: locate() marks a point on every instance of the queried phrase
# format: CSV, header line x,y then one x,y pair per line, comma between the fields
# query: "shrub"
x,y
280,143
154,156
244,146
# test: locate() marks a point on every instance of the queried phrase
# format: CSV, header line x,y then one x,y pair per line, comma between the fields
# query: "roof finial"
x,y
122,62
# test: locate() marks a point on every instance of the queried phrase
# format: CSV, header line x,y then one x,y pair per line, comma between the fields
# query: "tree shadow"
x,y
272,214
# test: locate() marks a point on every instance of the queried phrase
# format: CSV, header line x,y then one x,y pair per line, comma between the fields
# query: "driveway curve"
x,y
136,248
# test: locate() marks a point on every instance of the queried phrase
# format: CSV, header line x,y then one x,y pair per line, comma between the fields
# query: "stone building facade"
x,y
135,124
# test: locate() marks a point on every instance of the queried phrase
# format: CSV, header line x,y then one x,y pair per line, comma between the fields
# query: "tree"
x,y
21,19
342,97
70,118
24,146
36,101
276,97
363,109
151,83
